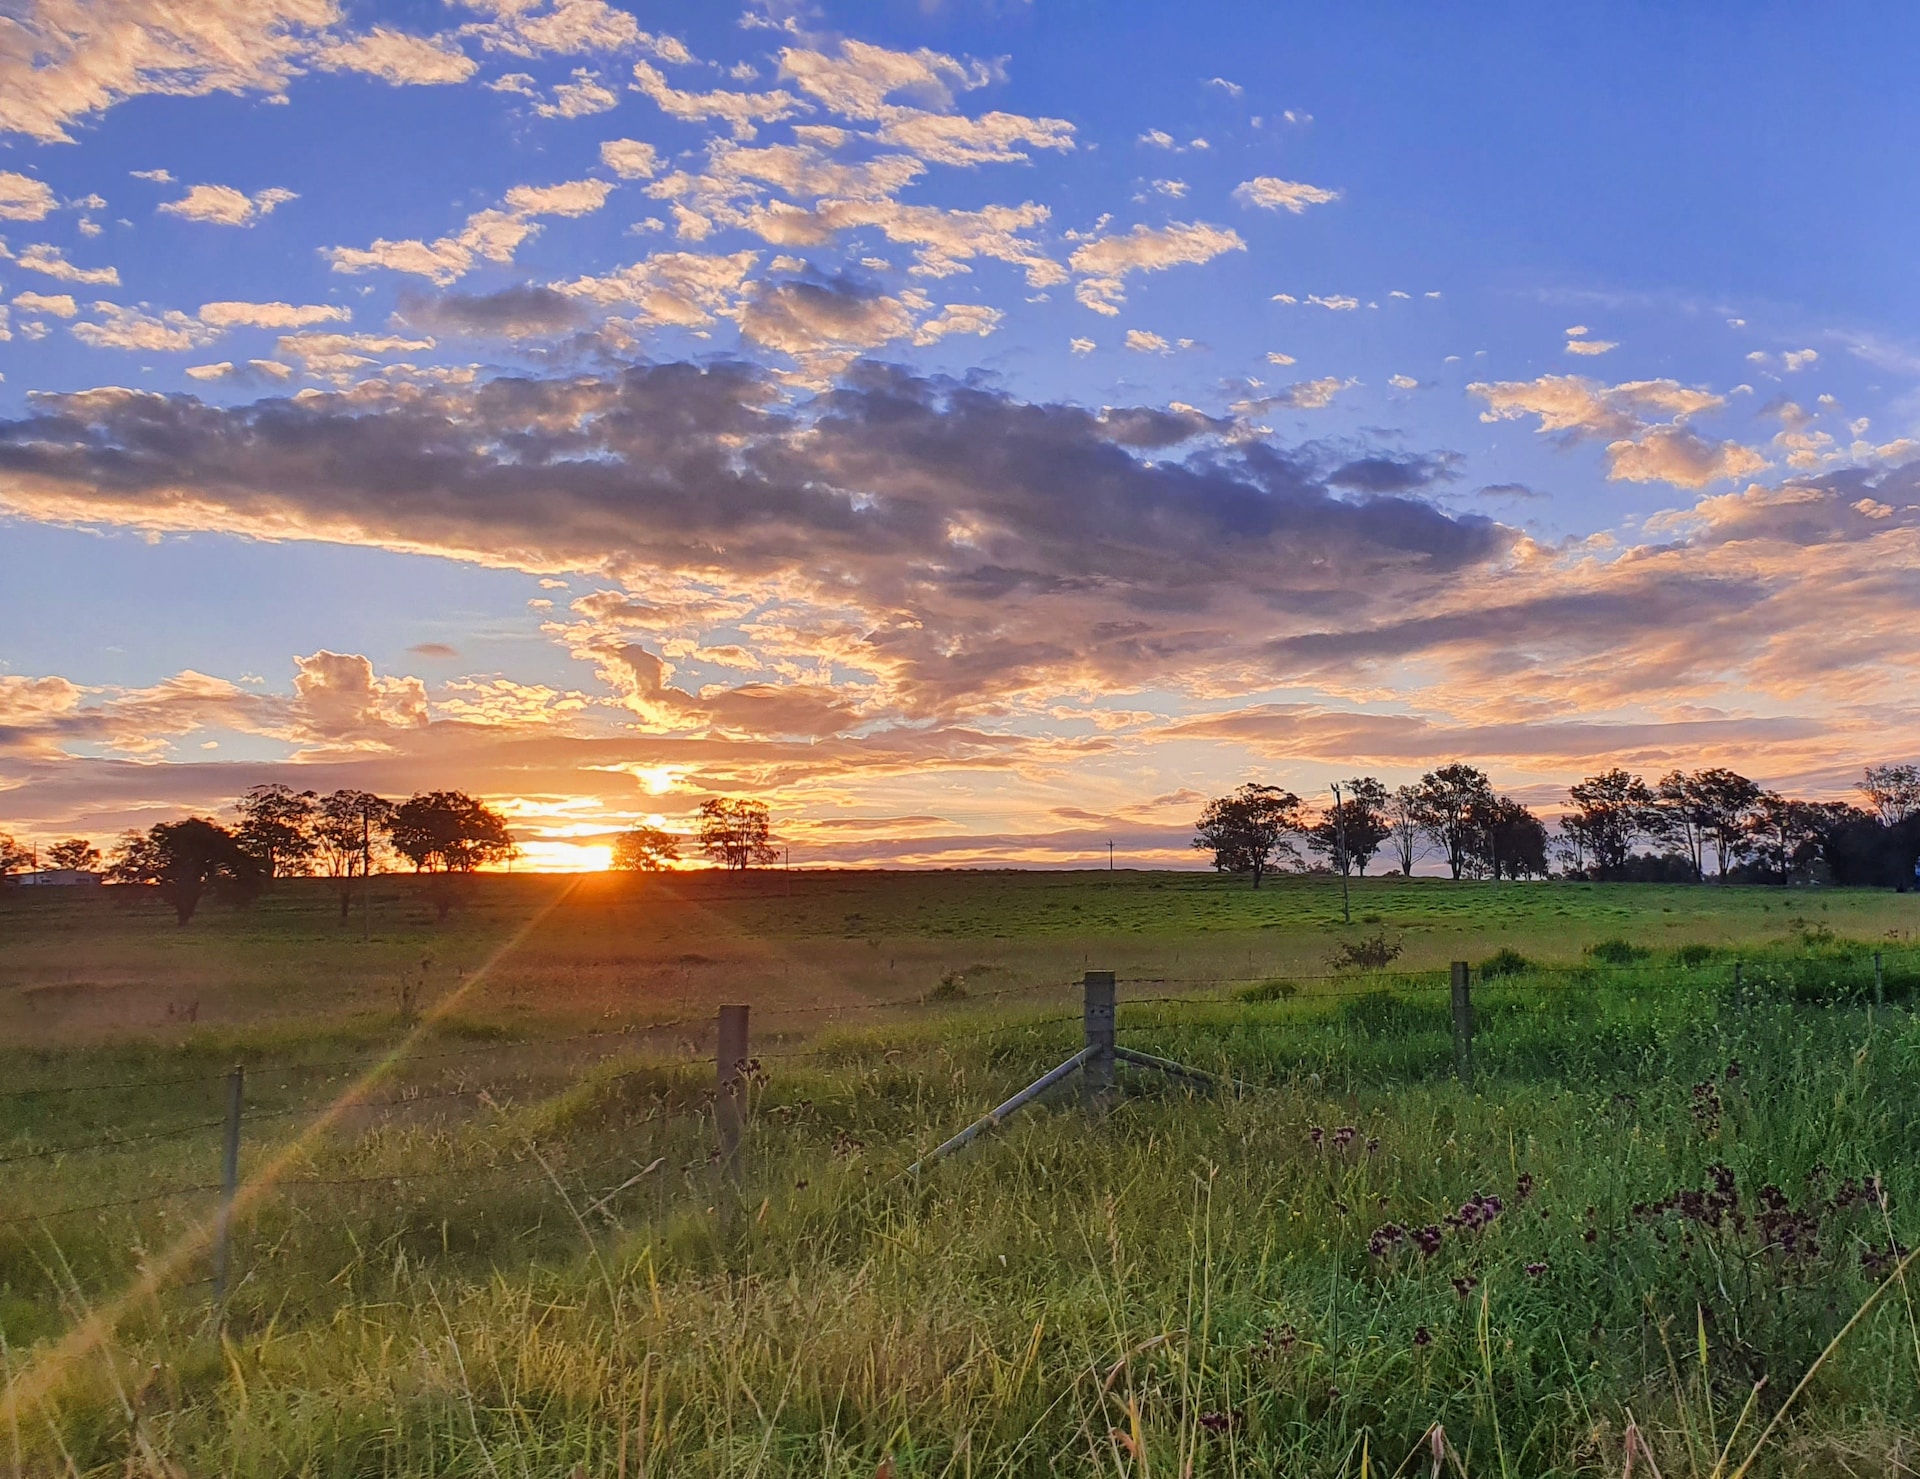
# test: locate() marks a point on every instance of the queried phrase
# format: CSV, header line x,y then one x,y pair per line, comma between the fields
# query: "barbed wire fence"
x,y
736,1064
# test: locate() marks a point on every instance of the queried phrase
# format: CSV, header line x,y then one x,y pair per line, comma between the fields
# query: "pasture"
x,y
481,1231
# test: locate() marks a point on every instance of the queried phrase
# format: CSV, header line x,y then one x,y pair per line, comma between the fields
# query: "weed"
x,y
1374,952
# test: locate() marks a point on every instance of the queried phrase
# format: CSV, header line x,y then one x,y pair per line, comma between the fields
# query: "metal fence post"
x,y
229,1183
1462,1024
1097,1017
730,1059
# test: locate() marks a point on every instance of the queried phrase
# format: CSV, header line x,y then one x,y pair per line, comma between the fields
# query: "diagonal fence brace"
x,y
993,1116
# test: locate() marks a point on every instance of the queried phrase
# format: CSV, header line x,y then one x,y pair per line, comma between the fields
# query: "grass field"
x,y
482,1232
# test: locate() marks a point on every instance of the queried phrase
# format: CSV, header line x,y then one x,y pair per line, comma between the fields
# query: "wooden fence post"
x,y
730,1058
229,1183
1462,1024
1097,1018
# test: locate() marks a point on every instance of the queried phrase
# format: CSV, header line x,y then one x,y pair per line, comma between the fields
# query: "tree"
x,y
736,834
349,827
1509,841
1248,830
13,857
76,853
1685,815
1894,791
1612,811
448,832
183,860
645,850
1445,802
1784,834
276,828
1351,832
1726,800
1403,823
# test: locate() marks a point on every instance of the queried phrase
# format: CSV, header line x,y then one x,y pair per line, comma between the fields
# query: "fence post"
x,y
229,1183
1879,982
1739,992
1097,1018
1462,1024
730,1058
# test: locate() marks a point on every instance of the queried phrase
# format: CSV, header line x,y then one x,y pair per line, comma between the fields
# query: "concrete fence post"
x,y
1462,1023
1097,1019
229,1183
730,1061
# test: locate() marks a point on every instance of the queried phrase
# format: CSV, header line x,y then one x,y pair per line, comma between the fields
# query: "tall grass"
x,y
1657,1196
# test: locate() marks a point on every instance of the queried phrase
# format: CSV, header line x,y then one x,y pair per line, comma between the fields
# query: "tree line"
x,y
1617,828
348,836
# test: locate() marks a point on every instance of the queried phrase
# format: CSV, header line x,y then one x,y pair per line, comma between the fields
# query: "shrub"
x,y
952,987
1694,955
1374,952
1506,961
1268,991
1616,952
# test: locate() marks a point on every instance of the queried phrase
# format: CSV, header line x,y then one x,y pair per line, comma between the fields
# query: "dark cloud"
x,y
438,651
1386,474
984,544
524,311
1509,490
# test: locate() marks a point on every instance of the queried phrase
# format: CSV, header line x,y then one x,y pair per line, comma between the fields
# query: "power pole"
x,y
366,873
1109,854
1340,837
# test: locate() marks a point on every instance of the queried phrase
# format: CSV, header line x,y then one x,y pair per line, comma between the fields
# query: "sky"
x,y
981,429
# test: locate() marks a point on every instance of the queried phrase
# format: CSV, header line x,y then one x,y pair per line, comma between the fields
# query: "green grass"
x,y
524,1263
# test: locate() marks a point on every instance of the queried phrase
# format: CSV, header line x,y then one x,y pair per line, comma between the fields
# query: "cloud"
x,y
946,543
1081,346
1403,382
1590,346
399,58
1272,194
1145,342
222,205
630,159
1799,359
51,261
59,305
322,354
489,235
437,651
1108,260
1641,445
687,289
168,332
524,311
945,242
234,315
1156,138
742,111
958,318
339,698
158,176
858,82
23,198
253,372
572,198
1303,395
1337,302
1231,89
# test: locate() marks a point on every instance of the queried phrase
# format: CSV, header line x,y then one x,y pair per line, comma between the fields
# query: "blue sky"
x,y
981,428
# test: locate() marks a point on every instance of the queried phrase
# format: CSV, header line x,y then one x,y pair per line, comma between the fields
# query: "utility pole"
x,y
1340,837
366,873
1109,854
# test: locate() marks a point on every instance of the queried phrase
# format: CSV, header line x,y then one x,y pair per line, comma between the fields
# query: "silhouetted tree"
x,y
1612,811
76,853
349,828
1894,791
1726,800
1508,841
1247,831
276,829
1783,835
736,834
444,833
13,857
1684,815
183,860
1445,801
1404,829
1349,834
645,850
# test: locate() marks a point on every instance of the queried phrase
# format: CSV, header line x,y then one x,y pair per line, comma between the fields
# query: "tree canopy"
x,y
1248,830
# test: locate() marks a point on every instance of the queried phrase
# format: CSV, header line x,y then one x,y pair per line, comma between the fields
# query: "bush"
x,y
952,987
1374,952
1616,952
1268,991
1506,961
1694,955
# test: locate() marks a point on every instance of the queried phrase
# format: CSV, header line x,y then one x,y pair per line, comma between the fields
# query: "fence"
x,y
735,1060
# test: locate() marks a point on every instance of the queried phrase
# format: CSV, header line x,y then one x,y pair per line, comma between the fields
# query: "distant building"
x,y
58,878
